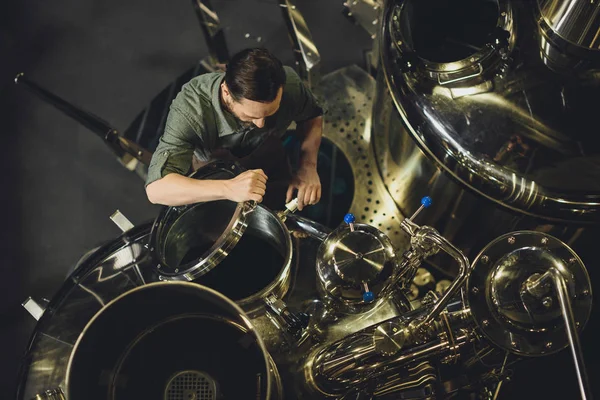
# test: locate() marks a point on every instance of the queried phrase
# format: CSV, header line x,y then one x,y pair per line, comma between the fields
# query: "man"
x,y
241,114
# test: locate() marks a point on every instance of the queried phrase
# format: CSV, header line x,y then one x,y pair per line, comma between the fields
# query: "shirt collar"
x,y
226,122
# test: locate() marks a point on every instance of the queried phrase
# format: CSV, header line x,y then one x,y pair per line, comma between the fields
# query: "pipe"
x,y
123,148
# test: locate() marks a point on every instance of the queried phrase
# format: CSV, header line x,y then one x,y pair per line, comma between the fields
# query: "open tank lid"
x,y
189,241
471,87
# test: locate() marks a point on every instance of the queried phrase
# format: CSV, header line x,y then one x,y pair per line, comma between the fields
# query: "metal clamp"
x,y
462,78
294,324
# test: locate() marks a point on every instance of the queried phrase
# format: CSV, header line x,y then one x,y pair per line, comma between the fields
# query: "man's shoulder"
x,y
196,95
291,76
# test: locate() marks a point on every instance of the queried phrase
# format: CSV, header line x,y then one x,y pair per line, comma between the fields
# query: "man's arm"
x,y
176,190
167,183
307,179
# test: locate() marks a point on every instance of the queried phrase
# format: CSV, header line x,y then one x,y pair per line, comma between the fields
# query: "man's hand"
x,y
249,185
308,184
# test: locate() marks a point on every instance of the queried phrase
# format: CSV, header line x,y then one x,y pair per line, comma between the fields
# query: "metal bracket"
x,y
213,32
121,221
305,51
34,308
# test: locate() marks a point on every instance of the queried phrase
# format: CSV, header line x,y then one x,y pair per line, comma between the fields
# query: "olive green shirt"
x,y
197,124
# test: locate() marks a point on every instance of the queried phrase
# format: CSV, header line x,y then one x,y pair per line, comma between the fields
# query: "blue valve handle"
x,y
349,218
368,297
426,201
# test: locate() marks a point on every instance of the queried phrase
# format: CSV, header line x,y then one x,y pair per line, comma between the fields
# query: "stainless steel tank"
x,y
475,108
138,346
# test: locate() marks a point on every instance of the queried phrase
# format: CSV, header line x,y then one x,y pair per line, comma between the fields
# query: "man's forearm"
x,y
176,190
311,132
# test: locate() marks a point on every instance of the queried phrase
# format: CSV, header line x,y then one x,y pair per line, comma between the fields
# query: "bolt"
x,y
503,14
152,249
475,290
544,240
547,302
486,322
472,59
548,345
399,42
176,270
374,22
577,324
572,260
139,153
309,54
485,259
585,293
513,344
511,240
247,35
159,266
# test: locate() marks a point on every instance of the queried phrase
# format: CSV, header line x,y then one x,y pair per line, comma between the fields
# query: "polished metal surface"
x,y
176,233
389,338
201,312
510,132
104,275
52,394
191,385
514,317
305,51
213,32
353,261
349,94
577,21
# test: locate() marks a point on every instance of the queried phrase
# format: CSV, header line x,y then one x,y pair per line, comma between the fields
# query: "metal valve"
x,y
425,203
293,323
350,219
368,296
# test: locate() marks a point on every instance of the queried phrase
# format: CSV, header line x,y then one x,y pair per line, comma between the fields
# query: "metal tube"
x,y
463,273
571,327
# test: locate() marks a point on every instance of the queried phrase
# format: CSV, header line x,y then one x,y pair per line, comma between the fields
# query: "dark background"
x,y
60,183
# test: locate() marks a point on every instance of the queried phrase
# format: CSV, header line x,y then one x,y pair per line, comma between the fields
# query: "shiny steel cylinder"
x,y
161,337
576,21
473,117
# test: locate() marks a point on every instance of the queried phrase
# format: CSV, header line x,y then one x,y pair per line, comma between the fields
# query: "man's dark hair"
x,y
254,74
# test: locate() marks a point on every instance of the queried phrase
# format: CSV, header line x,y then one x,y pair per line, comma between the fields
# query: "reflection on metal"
x,y
52,394
213,33
576,21
519,144
348,95
569,34
34,308
305,51
121,221
127,151
366,13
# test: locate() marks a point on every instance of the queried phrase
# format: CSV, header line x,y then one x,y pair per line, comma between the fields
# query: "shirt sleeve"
x,y
175,147
306,105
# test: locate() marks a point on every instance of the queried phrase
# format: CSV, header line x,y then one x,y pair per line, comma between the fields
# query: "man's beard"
x,y
229,108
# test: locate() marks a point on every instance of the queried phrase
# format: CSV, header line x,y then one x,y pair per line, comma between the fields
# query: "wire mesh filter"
x,y
191,385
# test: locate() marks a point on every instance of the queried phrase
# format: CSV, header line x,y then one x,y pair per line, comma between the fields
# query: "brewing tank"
x,y
490,106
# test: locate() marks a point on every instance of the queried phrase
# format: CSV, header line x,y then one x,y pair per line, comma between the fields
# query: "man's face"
x,y
249,111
